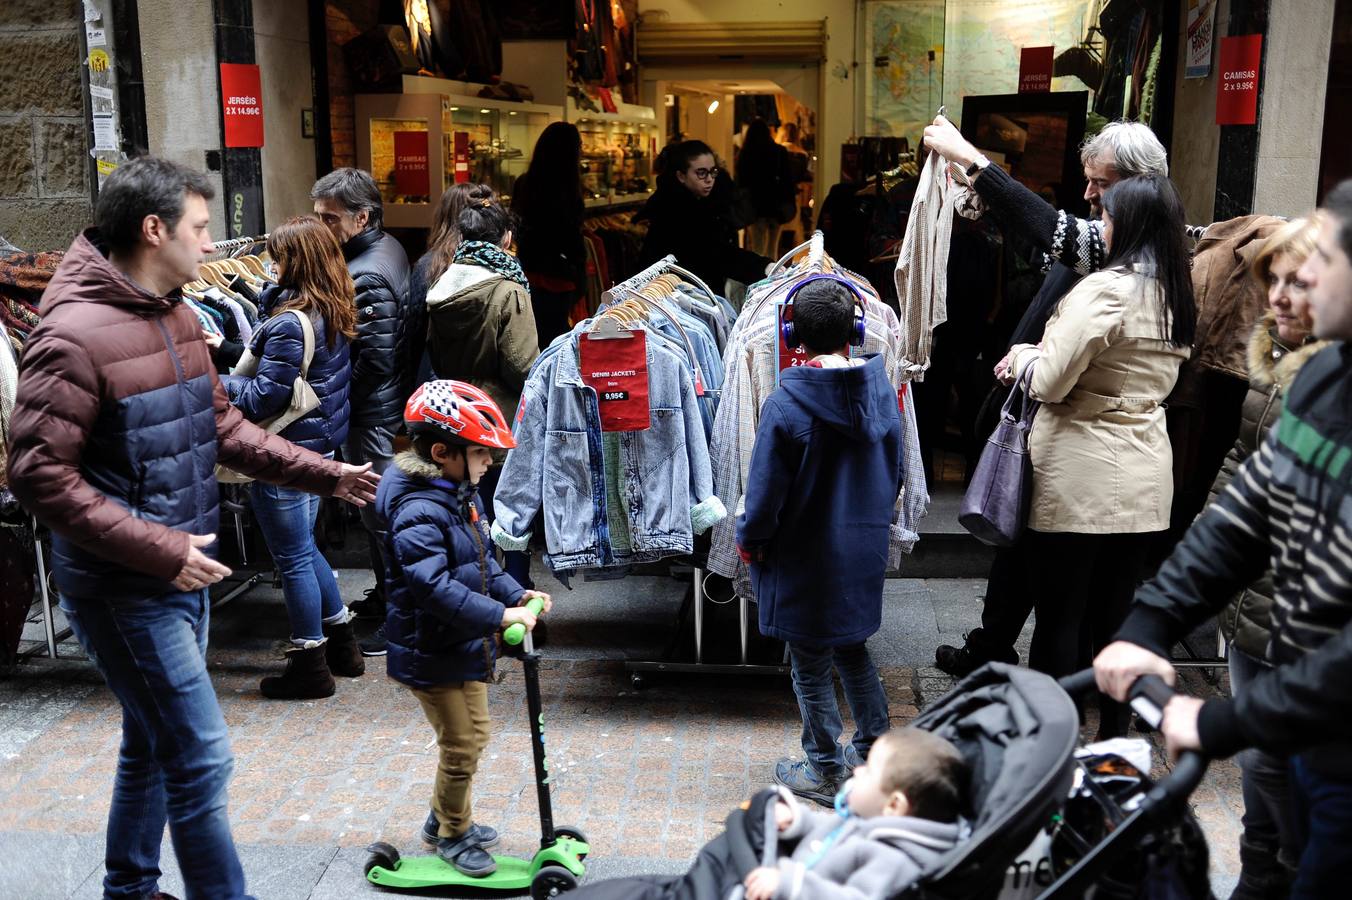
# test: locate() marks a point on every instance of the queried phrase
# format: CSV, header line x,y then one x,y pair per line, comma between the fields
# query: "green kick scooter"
x,y
556,866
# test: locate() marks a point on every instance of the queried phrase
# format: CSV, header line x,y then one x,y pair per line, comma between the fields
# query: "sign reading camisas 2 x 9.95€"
x,y
242,105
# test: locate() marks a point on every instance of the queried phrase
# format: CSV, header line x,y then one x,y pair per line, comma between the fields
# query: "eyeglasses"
x,y
705,174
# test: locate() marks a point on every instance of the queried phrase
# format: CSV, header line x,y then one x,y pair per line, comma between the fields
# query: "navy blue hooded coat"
x,y
443,620
280,348
824,477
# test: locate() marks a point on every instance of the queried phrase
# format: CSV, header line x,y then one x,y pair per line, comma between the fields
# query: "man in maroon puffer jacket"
x,y
117,428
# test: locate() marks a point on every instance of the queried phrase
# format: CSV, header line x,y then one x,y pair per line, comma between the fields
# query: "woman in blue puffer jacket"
x,y
312,281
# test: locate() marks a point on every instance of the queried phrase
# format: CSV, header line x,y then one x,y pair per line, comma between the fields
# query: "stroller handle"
x,y
1149,695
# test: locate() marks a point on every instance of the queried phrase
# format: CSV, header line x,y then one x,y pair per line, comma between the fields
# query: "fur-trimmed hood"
x,y
1271,362
410,463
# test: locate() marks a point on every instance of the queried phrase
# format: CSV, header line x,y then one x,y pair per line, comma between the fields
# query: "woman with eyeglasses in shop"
x,y
690,217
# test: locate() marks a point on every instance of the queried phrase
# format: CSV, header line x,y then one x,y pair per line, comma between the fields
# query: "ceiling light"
x,y
713,107
483,112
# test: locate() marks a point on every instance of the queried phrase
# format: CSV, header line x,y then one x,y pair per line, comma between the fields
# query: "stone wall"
x,y
44,144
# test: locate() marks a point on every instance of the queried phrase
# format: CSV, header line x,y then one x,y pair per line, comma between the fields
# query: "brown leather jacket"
x,y
1246,622
1229,300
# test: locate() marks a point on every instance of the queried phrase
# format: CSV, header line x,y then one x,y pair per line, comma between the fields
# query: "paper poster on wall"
x,y
1201,37
105,132
242,104
1237,88
460,147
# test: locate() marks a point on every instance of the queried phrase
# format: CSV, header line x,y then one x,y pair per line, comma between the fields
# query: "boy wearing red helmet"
x,y
448,597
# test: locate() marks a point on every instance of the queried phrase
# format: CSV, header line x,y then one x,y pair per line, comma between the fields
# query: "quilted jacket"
x,y
390,331
279,347
119,422
447,592
1247,621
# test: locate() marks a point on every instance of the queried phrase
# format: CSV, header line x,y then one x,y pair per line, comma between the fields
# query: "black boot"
x,y
341,651
307,676
1261,874
371,605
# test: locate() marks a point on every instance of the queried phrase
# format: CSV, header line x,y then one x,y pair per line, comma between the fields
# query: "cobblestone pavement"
x,y
648,775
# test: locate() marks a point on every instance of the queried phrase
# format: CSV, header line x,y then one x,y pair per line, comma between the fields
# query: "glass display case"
x,y
617,155
417,145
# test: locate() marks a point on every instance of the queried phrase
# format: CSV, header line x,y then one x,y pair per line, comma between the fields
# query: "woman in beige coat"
x,y
1102,467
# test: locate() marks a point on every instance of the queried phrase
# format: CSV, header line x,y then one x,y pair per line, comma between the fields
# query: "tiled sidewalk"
x,y
648,776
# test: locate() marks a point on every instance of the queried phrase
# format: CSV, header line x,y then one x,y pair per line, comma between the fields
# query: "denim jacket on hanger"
x,y
557,468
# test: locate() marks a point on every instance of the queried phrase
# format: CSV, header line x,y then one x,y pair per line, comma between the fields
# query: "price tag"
x,y
784,357
617,369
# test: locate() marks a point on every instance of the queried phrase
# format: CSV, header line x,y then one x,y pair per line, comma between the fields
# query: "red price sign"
x,y
617,369
1035,70
787,358
1237,88
412,177
242,105
460,145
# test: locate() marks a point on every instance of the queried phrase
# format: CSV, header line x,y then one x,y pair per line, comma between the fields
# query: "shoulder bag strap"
x,y
307,331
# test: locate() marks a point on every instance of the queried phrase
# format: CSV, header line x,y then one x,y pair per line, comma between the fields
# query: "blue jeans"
x,y
175,760
816,692
287,519
1324,807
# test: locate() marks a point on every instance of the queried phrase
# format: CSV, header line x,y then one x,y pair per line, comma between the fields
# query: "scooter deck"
x,y
413,872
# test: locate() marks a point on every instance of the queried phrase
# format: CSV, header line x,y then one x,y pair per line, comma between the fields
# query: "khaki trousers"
x,y
458,713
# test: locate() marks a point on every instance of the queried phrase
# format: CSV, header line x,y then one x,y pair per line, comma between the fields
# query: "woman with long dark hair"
x,y
547,201
689,216
1102,464
312,282
763,172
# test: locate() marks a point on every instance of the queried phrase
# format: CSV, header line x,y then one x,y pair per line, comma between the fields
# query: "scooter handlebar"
x,y
516,633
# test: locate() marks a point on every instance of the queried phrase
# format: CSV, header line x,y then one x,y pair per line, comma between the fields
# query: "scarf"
x,y
493,258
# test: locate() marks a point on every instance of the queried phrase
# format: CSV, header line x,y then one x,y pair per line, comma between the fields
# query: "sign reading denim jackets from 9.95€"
x,y
1237,88
242,105
617,369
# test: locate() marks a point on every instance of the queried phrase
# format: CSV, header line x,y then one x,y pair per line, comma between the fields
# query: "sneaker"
x,y
370,606
805,781
487,838
466,856
374,644
852,760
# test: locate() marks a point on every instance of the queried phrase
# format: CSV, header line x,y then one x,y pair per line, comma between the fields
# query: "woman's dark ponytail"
x,y
484,218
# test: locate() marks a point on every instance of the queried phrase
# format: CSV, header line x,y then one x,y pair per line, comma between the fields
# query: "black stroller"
x,y
1118,835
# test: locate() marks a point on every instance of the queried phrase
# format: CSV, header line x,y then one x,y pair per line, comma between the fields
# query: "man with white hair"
x,y
1074,247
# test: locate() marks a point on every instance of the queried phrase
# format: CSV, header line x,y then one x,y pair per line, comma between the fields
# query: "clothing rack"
x,y
692,606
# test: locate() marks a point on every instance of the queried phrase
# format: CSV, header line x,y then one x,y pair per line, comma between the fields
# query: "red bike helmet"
x,y
458,412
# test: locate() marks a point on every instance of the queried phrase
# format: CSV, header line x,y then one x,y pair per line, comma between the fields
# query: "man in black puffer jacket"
x,y
389,344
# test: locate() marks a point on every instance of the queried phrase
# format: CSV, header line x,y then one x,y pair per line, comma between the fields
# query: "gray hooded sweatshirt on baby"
x,y
868,858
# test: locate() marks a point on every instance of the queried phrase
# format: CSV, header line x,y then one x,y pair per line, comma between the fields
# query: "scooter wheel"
x,y
382,854
638,681
552,881
576,834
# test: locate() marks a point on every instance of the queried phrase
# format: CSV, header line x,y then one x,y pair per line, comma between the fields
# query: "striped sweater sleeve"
x,y
1074,242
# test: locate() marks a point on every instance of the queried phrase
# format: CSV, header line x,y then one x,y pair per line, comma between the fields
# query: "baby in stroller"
x,y
894,820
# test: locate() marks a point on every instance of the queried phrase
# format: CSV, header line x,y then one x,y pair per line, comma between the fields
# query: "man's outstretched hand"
x,y
199,570
357,485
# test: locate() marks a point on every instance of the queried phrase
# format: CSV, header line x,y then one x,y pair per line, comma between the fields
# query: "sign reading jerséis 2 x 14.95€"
x,y
242,105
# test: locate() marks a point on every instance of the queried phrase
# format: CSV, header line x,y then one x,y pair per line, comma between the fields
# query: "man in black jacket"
x,y
1074,247
388,347
1288,507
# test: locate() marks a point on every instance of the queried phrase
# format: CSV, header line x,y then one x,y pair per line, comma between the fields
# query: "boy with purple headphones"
x,y
824,477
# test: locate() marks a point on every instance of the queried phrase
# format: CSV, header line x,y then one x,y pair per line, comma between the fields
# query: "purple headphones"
x,y
790,331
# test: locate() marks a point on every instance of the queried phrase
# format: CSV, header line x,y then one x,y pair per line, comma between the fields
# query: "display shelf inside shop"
x,y
490,140
618,150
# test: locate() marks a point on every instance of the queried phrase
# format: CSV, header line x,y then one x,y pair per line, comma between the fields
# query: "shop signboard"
x,y
1201,37
1035,69
412,175
242,104
1237,88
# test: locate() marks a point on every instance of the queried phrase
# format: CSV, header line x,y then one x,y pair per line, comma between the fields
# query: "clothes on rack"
x,y
751,373
610,498
23,278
